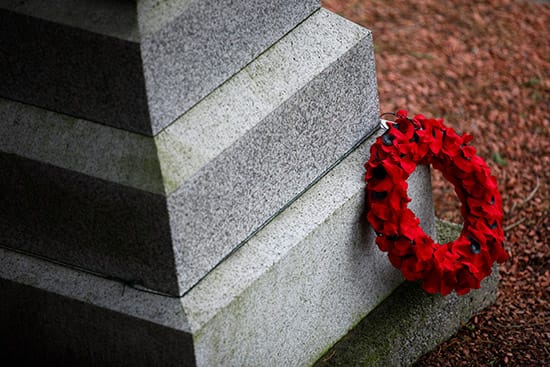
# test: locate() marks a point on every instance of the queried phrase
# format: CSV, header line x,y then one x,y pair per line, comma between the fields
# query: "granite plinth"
x,y
273,163
282,298
218,173
94,60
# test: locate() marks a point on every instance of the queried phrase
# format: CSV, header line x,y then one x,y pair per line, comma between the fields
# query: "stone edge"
x,y
110,18
134,159
144,306
170,311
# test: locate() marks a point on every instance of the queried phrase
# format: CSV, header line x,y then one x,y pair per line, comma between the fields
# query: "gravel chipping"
x,y
484,66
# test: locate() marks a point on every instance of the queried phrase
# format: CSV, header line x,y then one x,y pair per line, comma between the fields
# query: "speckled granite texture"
x,y
200,135
410,322
137,77
272,163
314,100
206,44
86,222
282,298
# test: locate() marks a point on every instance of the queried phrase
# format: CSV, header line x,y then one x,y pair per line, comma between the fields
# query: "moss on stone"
x,y
447,231
409,322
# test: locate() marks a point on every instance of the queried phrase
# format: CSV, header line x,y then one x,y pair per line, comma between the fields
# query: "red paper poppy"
x,y
461,264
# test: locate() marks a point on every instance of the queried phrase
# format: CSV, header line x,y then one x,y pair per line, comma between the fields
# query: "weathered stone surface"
x,y
410,322
240,190
303,280
207,43
56,314
73,71
92,60
86,222
266,137
222,118
298,285
247,100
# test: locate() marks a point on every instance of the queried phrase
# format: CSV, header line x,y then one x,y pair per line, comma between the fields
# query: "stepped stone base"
x,y
98,322
223,226
281,299
163,211
133,65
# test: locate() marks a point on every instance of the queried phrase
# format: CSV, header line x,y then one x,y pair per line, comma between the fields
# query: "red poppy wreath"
x,y
461,264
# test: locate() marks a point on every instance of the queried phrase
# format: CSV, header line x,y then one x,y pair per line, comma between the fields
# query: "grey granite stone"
x,y
73,71
302,281
263,157
250,96
234,194
77,58
58,315
86,222
410,322
194,139
281,299
203,46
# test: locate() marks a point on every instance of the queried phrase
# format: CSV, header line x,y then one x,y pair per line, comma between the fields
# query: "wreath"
x,y
459,265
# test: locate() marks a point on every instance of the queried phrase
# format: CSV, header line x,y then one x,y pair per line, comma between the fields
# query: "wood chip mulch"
x,y
484,66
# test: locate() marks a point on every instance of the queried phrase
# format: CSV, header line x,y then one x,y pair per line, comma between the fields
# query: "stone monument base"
x,y
197,200
283,298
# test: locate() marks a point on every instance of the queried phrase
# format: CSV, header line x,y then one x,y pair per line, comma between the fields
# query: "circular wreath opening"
x,y
461,264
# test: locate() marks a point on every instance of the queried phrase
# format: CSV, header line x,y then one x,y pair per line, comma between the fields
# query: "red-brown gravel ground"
x,y
484,66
